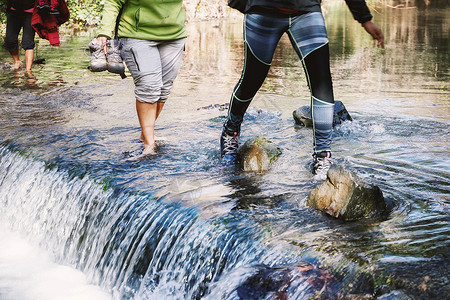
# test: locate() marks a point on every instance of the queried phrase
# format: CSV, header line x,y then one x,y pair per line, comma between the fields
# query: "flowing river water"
x,y
83,217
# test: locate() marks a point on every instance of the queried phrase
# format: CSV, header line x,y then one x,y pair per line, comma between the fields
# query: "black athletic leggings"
x,y
255,73
308,37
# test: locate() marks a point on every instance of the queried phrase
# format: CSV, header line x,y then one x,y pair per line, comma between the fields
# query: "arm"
x,y
108,24
359,10
362,14
375,32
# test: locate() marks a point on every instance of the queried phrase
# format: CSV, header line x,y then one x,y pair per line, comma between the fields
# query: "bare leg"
x,y
159,107
15,56
29,57
147,116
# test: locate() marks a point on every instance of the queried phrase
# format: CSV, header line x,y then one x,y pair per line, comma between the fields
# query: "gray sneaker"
x,y
321,164
113,58
98,57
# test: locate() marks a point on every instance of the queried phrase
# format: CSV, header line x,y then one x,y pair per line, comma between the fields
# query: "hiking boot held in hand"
x,y
114,61
98,57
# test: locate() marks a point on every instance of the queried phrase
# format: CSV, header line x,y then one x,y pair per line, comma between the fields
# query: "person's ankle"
x,y
17,64
149,149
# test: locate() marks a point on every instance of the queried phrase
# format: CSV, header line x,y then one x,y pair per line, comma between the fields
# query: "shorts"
x,y
153,65
15,22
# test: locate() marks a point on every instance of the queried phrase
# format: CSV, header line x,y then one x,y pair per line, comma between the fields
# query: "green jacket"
x,y
144,19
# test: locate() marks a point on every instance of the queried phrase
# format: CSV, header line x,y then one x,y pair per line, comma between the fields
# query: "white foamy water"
x,y
28,273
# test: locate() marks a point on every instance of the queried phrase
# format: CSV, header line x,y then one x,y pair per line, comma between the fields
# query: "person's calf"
x,y
29,57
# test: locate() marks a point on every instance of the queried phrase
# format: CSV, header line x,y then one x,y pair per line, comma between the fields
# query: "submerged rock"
x,y
215,106
302,115
289,282
345,196
257,154
423,279
394,295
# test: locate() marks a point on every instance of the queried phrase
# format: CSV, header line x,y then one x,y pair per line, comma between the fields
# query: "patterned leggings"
x,y
308,36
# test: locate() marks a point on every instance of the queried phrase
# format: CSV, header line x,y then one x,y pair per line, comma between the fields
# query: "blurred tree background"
x,y
87,13
2,15
83,13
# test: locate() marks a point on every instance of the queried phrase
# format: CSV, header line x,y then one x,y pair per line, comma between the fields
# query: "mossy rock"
x,y
258,154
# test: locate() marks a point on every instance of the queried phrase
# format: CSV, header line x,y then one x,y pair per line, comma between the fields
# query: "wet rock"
x,y
220,107
423,279
257,154
6,66
345,196
395,295
296,281
302,115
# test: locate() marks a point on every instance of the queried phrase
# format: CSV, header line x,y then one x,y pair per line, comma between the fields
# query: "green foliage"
x,y
2,16
85,12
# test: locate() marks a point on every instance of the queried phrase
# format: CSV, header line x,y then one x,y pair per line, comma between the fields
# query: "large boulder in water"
x,y
257,154
302,115
345,196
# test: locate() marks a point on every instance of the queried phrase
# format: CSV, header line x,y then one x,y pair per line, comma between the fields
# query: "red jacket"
x,y
46,25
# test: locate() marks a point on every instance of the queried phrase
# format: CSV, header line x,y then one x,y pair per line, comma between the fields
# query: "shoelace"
x,y
114,54
113,50
322,165
231,144
98,53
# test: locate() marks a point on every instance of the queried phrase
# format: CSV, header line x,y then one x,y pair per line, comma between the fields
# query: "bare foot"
x,y
31,79
17,65
149,150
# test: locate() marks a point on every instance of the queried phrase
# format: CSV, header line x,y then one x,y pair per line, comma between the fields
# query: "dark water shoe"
x,y
229,144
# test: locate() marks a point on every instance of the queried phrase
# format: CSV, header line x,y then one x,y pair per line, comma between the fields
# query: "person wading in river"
x,y
265,21
153,35
19,14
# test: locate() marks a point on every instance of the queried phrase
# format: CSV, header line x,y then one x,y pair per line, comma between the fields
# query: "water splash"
x,y
28,272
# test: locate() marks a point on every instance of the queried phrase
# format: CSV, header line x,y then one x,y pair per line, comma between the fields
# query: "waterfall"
x,y
133,245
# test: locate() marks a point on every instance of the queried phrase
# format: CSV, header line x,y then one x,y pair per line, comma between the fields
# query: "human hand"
x,y
375,32
101,40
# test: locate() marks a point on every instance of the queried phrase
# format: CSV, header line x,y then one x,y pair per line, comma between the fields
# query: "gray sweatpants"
x,y
153,65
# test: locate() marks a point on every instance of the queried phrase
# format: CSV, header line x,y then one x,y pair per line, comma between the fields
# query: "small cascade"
x,y
131,245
